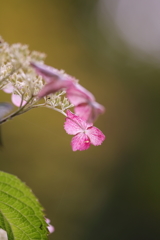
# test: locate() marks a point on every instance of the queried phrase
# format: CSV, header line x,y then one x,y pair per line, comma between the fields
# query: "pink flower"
x,y
85,133
56,80
51,229
16,99
85,105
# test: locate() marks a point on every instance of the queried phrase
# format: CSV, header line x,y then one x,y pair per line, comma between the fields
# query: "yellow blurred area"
x,y
107,192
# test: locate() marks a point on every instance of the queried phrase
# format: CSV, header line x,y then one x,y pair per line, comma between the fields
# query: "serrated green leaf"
x,y
21,215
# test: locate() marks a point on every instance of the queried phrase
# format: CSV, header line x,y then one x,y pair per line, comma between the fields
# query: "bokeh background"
x,y
113,47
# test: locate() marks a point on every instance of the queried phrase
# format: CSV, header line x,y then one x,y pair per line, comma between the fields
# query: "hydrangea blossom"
x,y
85,105
24,75
28,80
85,133
56,80
84,102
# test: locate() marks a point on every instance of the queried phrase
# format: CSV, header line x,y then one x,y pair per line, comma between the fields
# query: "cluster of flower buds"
x,y
24,75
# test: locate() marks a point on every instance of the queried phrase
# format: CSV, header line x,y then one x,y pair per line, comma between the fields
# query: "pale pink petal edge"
x,y
16,100
95,135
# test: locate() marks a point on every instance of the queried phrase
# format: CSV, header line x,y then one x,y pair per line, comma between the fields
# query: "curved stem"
x,y
58,110
23,110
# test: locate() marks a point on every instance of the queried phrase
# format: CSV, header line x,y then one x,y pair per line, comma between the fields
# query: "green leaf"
x,y
21,215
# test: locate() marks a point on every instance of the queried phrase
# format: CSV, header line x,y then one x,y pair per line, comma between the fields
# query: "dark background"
x,y
107,192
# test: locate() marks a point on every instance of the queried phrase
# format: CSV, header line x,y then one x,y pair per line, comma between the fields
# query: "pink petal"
x,y
49,74
84,101
74,124
83,110
95,135
47,220
51,229
78,94
8,88
80,142
53,87
89,112
71,127
98,108
16,99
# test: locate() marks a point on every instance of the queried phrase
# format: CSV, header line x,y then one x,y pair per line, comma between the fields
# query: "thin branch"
x,y
18,112
58,110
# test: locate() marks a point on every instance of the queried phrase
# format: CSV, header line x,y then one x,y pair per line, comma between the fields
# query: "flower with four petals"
x,y
85,133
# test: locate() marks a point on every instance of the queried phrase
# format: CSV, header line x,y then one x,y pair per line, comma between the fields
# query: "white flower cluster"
x,y
20,79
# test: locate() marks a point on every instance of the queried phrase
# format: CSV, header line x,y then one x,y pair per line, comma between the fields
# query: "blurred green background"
x,y
107,192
